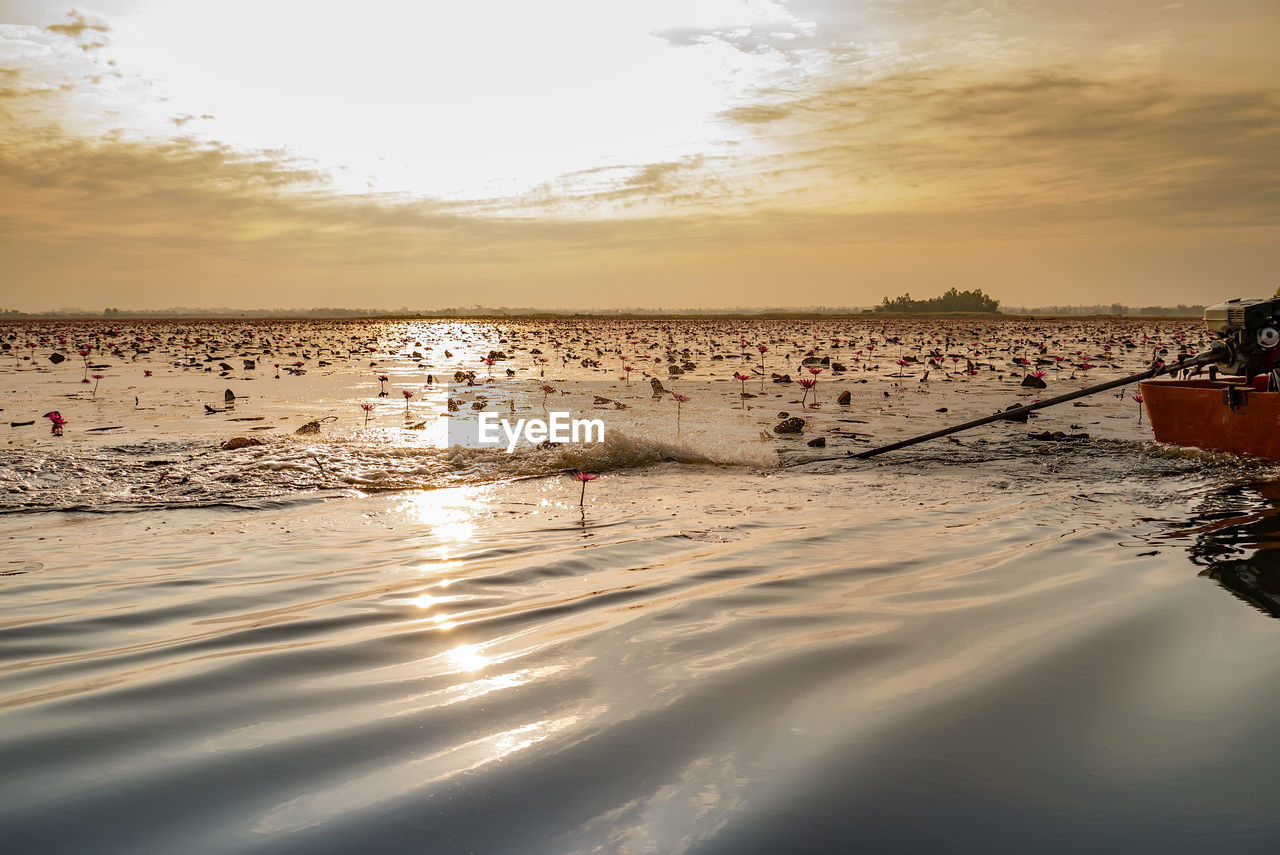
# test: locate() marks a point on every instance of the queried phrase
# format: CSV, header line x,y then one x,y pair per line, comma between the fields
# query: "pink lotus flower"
x,y
58,422
807,383
584,477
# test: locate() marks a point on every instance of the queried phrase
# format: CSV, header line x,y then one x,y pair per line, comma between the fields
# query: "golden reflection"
x,y
449,513
412,774
467,657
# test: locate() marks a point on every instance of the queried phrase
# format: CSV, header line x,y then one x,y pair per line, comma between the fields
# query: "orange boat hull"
x,y
1221,415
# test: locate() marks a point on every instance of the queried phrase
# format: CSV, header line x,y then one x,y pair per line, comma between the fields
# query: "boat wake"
x,y
160,474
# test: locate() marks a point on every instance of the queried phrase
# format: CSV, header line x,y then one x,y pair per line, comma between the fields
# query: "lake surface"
x,y
373,638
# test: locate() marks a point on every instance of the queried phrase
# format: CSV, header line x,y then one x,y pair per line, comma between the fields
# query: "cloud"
x,y
9,77
753,39
757,114
186,118
689,183
77,26
1146,148
771,29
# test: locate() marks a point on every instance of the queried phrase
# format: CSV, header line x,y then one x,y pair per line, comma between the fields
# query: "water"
x,y
361,639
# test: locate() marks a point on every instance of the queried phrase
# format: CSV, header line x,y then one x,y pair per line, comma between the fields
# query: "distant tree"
x,y
952,300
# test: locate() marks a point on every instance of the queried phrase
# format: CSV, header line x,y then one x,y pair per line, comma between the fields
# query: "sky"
x,y
662,154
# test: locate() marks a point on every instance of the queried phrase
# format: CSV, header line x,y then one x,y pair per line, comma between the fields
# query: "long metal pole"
x,y
1213,355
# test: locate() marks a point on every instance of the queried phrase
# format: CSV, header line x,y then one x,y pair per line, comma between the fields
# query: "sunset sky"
x,y
658,154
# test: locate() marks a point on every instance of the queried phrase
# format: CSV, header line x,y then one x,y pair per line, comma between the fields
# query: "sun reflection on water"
x,y
450,514
467,657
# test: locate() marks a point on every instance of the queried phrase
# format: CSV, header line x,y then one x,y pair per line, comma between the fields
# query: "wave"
x,y
151,475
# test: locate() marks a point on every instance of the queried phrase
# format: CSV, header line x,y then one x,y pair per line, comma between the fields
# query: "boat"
x,y
1239,411
1228,414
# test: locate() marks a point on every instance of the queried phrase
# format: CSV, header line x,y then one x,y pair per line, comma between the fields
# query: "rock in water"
x,y
250,364
795,424
309,428
656,384
1033,382
1058,436
844,398
818,442
55,358
243,442
1021,417
229,397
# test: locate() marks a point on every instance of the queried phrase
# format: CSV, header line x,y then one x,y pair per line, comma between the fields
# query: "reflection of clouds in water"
x,y
672,819
391,783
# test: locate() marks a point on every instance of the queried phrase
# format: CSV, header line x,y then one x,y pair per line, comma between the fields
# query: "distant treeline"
x,y
953,301
1179,311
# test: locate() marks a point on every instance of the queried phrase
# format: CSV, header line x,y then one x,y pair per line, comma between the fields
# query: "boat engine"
x,y
1250,330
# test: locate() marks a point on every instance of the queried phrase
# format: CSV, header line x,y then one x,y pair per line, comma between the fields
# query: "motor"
x,y
1250,330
